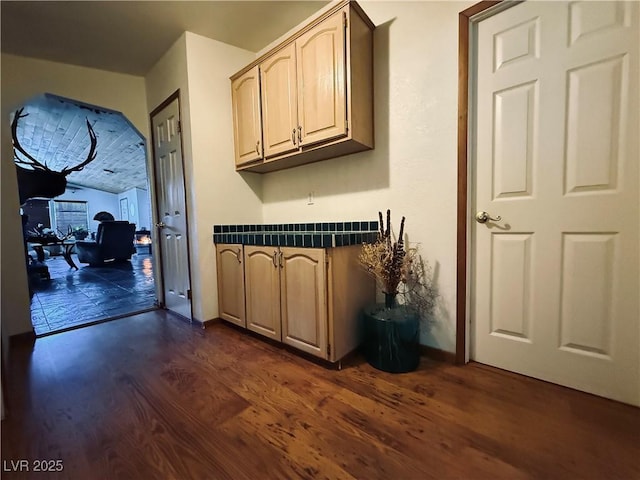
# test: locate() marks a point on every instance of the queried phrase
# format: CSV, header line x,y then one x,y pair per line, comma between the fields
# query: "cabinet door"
x,y
262,280
231,283
279,112
303,299
247,130
320,57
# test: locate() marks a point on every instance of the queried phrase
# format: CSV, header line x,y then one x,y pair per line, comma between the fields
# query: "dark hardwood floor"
x,y
151,397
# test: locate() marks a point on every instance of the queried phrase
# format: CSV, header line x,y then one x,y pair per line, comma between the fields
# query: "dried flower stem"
x,y
386,259
399,270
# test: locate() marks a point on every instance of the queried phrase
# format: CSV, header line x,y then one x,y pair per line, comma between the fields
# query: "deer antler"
x,y
16,145
90,157
35,164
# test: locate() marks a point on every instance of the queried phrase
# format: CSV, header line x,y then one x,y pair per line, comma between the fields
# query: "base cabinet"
x,y
303,299
309,298
263,291
231,283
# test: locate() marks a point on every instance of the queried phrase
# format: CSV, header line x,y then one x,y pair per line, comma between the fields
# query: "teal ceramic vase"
x,y
391,336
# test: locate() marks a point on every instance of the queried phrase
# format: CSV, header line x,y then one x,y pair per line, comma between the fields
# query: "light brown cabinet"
x,y
231,283
308,298
322,81
286,296
247,123
279,102
262,291
303,90
303,299
316,92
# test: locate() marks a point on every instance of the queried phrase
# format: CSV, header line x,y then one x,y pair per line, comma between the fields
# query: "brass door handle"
x,y
483,217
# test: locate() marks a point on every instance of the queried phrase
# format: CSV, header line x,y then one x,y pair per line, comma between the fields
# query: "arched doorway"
x,y
78,280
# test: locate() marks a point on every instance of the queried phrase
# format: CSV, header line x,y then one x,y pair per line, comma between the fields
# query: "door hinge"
x,y
189,294
179,126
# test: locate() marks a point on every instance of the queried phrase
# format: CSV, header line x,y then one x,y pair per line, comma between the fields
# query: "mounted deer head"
x,y
40,180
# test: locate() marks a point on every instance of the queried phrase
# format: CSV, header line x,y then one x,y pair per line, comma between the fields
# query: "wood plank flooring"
x,y
151,397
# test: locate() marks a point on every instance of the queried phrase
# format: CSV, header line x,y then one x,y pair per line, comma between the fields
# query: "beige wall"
x,y
413,168
221,195
201,67
23,78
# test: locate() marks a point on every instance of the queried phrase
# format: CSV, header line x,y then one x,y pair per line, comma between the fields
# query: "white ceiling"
x,y
131,36
54,132
126,37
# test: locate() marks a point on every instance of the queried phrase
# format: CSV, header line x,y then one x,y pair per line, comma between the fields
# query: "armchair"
x,y
114,243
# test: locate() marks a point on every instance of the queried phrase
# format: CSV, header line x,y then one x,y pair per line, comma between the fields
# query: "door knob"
x,y
160,225
483,217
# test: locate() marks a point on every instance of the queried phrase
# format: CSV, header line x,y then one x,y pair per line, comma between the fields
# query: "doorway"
x,y
553,198
172,227
70,289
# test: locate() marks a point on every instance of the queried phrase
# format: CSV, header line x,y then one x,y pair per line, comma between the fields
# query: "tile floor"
x,y
77,297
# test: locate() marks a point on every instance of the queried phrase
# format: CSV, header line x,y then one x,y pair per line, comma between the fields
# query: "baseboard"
x,y
26,338
429,352
206,323
437,354
180,317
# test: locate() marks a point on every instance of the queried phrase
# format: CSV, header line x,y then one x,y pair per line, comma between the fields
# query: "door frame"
x,y
155,211
466,20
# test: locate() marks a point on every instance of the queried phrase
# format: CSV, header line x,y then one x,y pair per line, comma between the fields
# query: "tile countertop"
x,y
309,235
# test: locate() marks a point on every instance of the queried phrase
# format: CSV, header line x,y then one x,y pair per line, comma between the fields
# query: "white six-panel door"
x,y
555,281
172,229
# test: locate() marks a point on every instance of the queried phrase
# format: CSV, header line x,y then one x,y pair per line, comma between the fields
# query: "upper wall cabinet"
x,y
315,95
322,81
279,102
247,125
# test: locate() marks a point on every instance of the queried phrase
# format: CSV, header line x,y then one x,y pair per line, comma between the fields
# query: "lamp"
x,y
104,217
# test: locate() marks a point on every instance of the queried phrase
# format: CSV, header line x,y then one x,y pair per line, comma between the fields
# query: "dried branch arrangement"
x,y
399,270
386,259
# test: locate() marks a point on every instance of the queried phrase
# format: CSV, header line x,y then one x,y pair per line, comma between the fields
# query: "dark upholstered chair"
x,y
114,243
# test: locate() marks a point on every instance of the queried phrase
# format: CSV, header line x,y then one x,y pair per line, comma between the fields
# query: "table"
x,y
67,250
